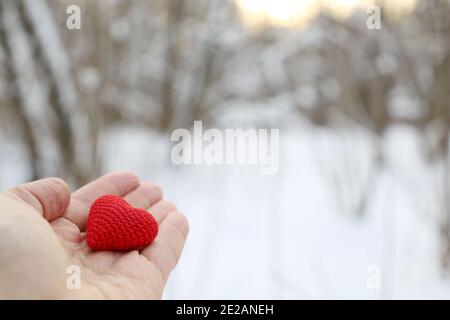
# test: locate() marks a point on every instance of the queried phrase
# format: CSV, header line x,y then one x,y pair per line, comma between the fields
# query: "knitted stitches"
x,y
113,224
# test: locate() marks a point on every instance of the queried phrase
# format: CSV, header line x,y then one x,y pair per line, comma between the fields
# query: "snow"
x,y
13,169
255,236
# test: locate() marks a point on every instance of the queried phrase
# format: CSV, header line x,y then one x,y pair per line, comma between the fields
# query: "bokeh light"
x,y
298,13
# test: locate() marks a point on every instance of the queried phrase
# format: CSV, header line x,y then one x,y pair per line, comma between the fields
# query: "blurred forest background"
x,y
370,107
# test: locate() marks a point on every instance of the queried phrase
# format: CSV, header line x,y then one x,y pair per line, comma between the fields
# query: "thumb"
x,y
49,197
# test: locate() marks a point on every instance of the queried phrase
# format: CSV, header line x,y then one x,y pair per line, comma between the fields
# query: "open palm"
x,y
44,238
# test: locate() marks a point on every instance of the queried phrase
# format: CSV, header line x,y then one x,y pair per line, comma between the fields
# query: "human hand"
x,y
42,228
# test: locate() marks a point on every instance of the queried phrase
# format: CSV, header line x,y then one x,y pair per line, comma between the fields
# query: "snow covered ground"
x,y
293,235
287,236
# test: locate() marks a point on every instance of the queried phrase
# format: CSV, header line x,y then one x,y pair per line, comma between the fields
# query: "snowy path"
x,y
256,236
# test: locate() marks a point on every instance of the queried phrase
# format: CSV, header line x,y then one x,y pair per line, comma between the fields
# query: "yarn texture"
x,y
113,224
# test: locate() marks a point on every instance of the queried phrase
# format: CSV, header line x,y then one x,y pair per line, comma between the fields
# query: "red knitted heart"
x,y
113,224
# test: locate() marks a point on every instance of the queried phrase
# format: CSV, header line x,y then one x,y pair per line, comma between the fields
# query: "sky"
x,y
297,13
